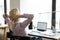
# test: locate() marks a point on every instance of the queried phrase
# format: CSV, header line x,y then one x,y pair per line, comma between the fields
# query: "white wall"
x,y
14,4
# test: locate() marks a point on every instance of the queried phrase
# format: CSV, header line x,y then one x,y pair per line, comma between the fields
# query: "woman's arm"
x,y
26,22
6,17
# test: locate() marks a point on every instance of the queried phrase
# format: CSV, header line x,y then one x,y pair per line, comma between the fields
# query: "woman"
x,y
15,26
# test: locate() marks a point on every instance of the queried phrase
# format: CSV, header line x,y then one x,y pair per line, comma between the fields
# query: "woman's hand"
x,y
5,16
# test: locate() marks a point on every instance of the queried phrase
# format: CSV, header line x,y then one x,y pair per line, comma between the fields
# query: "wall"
x,y
14,4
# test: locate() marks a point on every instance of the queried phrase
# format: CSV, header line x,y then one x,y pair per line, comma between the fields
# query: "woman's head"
x,y
14,13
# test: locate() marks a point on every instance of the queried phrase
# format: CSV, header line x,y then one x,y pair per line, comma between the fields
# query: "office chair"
x,y
13,37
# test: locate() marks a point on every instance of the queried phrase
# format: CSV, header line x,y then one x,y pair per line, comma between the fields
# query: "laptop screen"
x,y
42,26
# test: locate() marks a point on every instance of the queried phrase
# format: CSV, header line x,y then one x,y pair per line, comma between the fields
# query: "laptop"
x,y
42,26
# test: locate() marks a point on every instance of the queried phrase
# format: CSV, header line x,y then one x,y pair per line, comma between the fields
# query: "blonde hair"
x,y
14,13
13,16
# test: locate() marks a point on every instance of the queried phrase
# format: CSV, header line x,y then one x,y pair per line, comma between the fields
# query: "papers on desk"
x,y
48,32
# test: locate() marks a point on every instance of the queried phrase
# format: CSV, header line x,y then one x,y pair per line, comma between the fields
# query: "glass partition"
x,y
57,20
57,14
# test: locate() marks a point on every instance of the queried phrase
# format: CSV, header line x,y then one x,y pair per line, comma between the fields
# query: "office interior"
x,y
43,10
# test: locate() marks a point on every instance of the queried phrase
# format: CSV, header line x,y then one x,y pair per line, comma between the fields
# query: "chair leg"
x,y
12,38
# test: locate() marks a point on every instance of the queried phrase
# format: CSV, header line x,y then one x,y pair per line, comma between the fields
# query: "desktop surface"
x,y
46,34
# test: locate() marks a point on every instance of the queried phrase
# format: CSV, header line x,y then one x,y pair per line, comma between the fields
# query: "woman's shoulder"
x,y
18,23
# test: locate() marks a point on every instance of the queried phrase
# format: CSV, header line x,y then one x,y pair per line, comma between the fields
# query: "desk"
x,y
54,36
3,27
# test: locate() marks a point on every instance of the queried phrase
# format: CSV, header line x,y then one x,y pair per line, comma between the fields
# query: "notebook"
x,y
42,26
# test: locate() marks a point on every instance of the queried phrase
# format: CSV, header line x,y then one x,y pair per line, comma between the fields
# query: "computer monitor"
x,y
42,26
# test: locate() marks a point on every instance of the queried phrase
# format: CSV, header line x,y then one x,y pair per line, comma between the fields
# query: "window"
x,y
40,8
8,6
57,14
1,11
